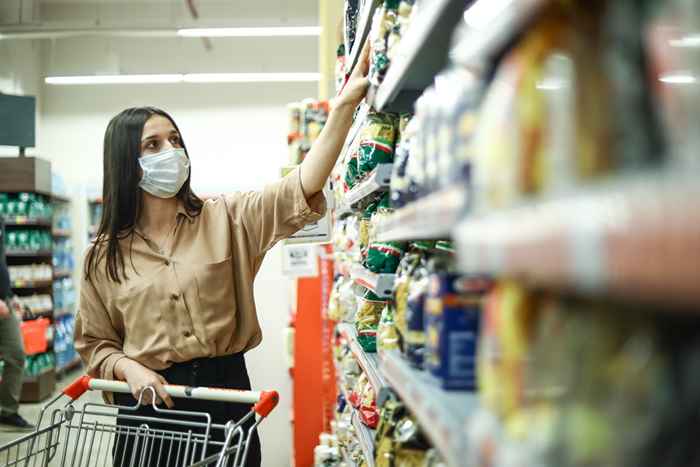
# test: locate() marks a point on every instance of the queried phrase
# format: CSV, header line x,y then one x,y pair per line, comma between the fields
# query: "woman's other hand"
x,y
139,377
355,88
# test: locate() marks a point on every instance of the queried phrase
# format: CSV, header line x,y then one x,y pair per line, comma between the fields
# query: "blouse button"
x,y
166,262
174,297
187,333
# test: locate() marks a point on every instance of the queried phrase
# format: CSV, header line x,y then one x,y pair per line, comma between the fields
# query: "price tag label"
x,y
300,260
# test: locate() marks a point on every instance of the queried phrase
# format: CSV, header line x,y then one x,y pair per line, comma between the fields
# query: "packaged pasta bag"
x,y
350,175
384,257
389,415
402,284
347,300
387,334
414,337
384,21
377,141
334,310
399,185
368,407
365,221
411,445
367,320
355,396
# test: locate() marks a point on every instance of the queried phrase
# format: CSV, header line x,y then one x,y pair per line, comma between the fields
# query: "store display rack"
x,y
61,274
368,362
490,33
24,221
381,284
377,181
364,25
432,217
591,241
443,414
40,284
28,254
420,55
365,436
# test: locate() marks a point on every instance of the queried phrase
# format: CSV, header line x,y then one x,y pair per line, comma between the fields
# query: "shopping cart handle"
x,y
265,401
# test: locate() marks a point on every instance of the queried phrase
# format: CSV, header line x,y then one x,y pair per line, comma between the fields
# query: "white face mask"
x,y
164,173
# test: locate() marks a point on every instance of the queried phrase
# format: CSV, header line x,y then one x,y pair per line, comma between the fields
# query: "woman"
x,y
167,294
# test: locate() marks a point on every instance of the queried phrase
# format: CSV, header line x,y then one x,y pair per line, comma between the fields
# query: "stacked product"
x,y
306,120
578,98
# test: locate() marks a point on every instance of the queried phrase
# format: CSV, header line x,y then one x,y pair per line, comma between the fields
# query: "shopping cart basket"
x,y
68,435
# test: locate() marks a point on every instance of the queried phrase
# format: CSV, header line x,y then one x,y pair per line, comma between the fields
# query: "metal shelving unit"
x,y
432,217
381,284
618,239
368,362
377,181
442,414
420,55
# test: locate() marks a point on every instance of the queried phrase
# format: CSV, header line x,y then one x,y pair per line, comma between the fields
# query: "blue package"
x,y
452,320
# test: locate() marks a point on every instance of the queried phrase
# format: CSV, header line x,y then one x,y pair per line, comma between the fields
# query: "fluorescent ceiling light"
x,y
678,78
251,32
482,13
249,77
185,78
690,41
114,79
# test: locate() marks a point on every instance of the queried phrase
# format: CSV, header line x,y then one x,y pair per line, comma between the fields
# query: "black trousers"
x,y
222,372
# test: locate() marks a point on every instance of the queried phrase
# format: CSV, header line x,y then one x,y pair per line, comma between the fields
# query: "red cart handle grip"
x,y
268,401
78,387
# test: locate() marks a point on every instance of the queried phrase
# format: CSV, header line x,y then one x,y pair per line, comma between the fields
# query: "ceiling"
x,y
139,14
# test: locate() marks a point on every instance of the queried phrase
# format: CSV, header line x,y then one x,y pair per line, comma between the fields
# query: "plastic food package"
x,y
387,333
350,17
414,338
400,183
384,257
367,320
453,314
402,285
377,141
385,19
347,300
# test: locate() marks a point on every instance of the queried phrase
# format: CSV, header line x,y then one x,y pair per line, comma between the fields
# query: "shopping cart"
x,y
67,435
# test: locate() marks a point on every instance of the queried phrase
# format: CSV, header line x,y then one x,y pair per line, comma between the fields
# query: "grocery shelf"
x,y
62,274
60,198
636,238
28,254
381,284
364,24
377,181
25,221
61,233
442,414
365,435
421,54
38,284
485,40
358,123
368,362
432,217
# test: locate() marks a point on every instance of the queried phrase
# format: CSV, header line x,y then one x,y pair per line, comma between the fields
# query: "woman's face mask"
x,y
164,173
164,164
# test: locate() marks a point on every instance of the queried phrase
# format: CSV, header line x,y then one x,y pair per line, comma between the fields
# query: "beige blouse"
x,y
195,299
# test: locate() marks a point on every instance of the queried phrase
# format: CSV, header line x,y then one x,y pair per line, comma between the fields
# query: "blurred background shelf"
x,y
365,436
38,284
432,217
28,254
24,221
629,239
421,54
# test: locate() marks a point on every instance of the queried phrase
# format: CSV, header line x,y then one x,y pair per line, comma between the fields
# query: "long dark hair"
x,y
121,194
